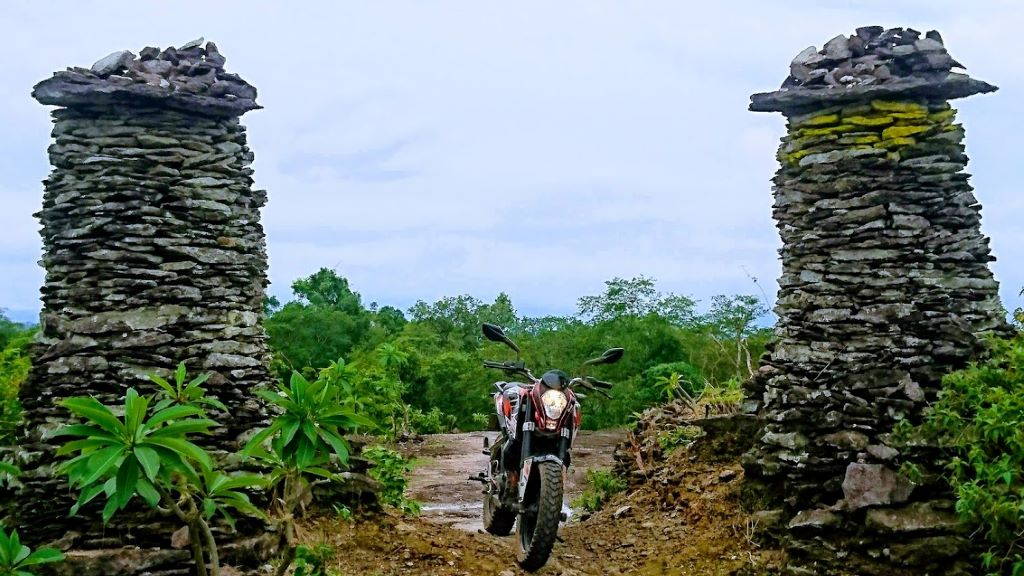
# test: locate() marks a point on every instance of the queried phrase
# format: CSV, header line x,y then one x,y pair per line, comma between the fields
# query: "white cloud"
x,y
538,148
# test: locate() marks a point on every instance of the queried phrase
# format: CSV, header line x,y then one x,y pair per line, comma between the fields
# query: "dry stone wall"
x,y
885,287
154,254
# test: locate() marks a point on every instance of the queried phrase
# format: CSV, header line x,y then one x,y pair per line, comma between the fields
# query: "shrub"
x,y
601,486
389,470
979,419
301,444
145,451
433,422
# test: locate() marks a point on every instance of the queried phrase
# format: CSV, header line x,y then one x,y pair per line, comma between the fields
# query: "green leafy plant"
x,y
343,512
16,558
432,422
678,436
185,392
300,446
602,485
147,452
314,560
390,469
979,420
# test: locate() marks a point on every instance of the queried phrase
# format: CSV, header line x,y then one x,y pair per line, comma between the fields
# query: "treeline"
x,y
421,370
14,365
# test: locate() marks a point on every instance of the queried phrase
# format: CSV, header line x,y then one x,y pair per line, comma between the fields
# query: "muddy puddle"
x,y
443,464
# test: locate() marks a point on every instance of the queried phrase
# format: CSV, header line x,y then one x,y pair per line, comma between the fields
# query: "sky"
x,y
427,149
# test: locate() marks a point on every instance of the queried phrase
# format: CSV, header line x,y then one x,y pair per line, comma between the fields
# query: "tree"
x,y
326,322
456,319
636,298
326,288
390,319
731,321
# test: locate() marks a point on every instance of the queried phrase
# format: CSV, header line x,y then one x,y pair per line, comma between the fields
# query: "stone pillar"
x,y
885,287
154,254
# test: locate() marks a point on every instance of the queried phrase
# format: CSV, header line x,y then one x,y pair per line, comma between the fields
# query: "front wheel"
x,y
538,523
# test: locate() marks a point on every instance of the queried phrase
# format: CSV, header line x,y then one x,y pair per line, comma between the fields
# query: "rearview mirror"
x,y
494,333
610,356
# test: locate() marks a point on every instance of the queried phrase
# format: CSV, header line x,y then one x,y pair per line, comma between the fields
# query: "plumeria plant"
x,y
145,450
304,444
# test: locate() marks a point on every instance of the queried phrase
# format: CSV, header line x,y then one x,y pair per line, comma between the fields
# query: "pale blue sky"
x,y
435,148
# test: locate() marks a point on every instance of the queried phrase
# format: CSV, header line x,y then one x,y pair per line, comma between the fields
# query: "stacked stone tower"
x,y
885,287
154,254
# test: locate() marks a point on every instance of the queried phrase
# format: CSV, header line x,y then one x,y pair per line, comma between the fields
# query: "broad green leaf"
x,y
87,495
127,478
182,428
91,409
101,462
260,437
43,556
109,510
148,492
183,447
337,443
135,407
149,460
172,413
163,384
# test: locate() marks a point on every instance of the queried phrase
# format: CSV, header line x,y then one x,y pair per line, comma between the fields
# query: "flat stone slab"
x,y
72,89
948,87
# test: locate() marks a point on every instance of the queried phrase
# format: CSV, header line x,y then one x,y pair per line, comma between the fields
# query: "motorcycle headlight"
x,y
554,402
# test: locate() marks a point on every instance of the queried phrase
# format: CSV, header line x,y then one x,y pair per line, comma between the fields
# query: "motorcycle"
x,y
538,421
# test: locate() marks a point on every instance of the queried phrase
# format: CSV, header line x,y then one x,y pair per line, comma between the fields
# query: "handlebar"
x,y
593,384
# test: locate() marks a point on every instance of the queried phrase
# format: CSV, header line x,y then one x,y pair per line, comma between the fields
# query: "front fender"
x,y
525,477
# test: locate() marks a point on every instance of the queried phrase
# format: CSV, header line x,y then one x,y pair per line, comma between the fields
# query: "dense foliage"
x,y
979,418
14,365
422,372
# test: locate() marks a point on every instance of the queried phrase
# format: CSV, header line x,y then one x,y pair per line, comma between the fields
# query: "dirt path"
x,y
443,463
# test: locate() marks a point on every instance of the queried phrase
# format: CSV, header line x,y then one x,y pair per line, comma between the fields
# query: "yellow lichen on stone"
x,y
909,115
869,120
862,139
943,116
891,143
795,157
894,132
823,120
905,107
807,132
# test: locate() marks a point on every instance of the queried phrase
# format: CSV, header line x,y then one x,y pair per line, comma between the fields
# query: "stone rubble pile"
x,y
154,254
872,55
191,78
885,287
